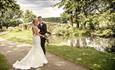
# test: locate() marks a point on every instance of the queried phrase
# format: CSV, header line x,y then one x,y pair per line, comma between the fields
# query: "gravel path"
x,y
15,51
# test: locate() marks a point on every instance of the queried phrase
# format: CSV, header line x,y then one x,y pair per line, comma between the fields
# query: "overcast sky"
x,y
41,7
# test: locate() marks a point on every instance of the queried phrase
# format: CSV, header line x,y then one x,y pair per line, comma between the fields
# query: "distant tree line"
x,y
52,19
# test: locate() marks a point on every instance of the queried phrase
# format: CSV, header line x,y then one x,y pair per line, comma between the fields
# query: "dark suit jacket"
x,y
43,28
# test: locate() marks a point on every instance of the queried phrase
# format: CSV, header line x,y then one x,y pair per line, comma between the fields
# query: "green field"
x,y
19,36
88,57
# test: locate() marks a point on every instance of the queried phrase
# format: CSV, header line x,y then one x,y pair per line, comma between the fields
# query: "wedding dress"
x,y
35,57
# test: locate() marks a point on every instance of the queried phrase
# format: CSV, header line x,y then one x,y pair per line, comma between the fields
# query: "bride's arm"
x,y
33,30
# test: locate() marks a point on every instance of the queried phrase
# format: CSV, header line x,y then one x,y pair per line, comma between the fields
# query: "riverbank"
x,y
87,57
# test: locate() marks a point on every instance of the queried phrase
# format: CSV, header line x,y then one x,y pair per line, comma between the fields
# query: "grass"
x,y
24,36
3,63
88,57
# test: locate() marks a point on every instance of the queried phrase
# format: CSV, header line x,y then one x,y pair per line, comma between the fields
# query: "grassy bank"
x,y
87,57
3,63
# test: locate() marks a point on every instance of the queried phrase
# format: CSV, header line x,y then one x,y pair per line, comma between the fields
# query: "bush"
x,y
107,32
69,31
103,33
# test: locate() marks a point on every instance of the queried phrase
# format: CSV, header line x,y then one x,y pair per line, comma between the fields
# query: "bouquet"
x,y
47,35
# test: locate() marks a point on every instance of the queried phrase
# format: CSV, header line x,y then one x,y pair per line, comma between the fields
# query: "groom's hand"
x,y
44,36
49,33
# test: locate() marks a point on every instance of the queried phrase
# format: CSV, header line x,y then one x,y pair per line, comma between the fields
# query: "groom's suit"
x,y
43,31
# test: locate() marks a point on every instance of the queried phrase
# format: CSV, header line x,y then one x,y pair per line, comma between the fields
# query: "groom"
x,y
43,30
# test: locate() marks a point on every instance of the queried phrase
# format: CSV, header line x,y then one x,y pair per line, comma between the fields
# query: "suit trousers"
x,y
43,40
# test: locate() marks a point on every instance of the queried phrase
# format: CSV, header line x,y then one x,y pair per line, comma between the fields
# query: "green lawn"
x,y
88,57
19,36
3,63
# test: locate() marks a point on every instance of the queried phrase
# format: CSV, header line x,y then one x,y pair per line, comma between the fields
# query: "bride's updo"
x,y
35,22
35,30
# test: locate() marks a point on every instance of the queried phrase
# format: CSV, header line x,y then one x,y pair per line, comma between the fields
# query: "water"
x,y
100,44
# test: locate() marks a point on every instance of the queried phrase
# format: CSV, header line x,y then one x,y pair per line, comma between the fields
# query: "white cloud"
x,y
41,7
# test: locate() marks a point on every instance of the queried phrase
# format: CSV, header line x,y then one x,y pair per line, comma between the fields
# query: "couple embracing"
x,y
36,56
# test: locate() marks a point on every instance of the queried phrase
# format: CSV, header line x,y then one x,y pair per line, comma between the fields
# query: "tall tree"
x,y
9,10
28,16
86,7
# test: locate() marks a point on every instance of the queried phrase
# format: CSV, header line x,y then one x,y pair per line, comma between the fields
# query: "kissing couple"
x,y
36,57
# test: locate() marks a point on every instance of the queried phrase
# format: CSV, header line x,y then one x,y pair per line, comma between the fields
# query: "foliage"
x,y
69,31
64,17
5,5
10,11
90,14
76,7
28,16
103,22
103,33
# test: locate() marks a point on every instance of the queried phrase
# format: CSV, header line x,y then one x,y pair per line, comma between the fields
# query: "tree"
x,y
28,16
9,10
86,7
64,17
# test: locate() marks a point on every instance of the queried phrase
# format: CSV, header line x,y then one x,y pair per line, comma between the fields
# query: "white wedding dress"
x,y
35,57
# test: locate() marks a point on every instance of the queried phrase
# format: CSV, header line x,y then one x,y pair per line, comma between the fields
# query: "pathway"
x,y
15,51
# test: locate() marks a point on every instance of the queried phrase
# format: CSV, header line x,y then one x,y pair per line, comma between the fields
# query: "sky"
x,y
42,8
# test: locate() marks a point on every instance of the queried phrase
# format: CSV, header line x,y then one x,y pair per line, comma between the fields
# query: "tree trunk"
x,y
71,20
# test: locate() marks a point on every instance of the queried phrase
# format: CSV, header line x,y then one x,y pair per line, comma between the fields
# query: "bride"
x,y
35,57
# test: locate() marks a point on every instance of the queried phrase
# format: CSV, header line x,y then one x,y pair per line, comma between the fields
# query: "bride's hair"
x,y
34,21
